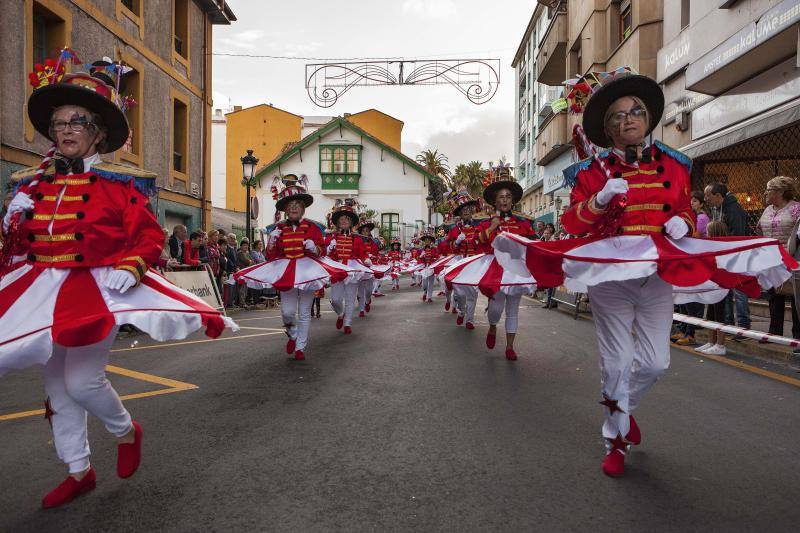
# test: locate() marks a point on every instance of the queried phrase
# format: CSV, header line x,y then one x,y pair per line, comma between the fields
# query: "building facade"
x,y
167,43
732,85
342,160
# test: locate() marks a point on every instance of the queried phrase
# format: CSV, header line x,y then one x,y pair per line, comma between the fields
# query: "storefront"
x,y
554,188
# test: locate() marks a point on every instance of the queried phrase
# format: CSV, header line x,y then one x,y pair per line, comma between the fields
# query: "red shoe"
x,y
447,306
130,455
459,320
339,323
299,355
470,325
69,489
348,330
367,307
511,355
290,346
634,435
454,310
424,297
614,461
490,340
430,301
440,293
361,314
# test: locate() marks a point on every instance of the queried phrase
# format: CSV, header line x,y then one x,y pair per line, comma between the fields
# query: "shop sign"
x,y
748,99
771,23
687,103
674,56
553,172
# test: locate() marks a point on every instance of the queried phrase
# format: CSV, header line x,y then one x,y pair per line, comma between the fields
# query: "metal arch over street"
x,y
477,79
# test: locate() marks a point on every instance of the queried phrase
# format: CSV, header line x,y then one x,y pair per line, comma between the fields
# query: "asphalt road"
x,y
412,425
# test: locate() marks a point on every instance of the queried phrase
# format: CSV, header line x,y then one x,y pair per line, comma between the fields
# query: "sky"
x,y
435,117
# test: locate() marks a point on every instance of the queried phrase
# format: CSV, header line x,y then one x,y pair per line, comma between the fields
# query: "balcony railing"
x,y
552,59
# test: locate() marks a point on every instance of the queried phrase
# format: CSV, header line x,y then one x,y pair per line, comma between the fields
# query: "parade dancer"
x,y
395,263
364,229
380,267
346,247
427,257
463,242
294,266
81,236
632,201
503,284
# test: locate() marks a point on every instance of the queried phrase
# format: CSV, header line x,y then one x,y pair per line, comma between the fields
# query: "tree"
x,y
437,165
470,177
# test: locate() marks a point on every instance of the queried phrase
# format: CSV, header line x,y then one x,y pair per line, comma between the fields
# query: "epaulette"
x,y
26,174
680,157
143,180
571,172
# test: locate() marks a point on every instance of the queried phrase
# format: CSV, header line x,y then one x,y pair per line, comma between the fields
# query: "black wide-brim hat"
x,y
304,197
349,214
369,225
642,87
45,100
458,209
490,192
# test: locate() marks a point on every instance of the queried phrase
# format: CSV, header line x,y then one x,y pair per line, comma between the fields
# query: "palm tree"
x,y
436,164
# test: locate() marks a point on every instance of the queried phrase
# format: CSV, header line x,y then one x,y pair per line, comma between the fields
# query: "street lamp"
x,y
248,180
429,202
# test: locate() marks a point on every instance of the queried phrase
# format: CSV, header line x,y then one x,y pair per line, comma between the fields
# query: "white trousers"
x,y
633,320
510,304
364,293
296,302
76,384
376,286
466,299
427,286
343,300
396,283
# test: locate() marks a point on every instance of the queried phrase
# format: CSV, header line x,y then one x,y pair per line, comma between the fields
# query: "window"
x,y
391,221
180,27
340,160
180,135
684,13
49,33
133,85
625,20
134,6
132,10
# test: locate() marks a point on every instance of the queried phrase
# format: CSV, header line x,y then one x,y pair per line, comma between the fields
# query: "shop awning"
x,y
774,119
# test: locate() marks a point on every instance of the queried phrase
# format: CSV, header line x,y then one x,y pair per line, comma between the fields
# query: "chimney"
x,y
237,108
346,115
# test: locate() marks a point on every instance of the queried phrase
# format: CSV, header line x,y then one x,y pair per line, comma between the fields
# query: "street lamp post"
x,y
248,180
429,202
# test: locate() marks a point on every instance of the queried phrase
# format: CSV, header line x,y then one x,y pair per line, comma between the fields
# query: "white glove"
x,y
21,202
120,280
368,262
613,187
332,246
310,245
676,227
460,238
274,234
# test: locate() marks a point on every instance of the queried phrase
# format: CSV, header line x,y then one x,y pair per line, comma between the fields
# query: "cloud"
x,y
244,40
439,9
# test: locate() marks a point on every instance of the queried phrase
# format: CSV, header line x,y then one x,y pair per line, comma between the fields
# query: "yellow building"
x,y
265,130
386,128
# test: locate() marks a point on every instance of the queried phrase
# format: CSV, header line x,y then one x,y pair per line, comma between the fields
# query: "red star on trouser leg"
x,y
611,404
48,412
618,443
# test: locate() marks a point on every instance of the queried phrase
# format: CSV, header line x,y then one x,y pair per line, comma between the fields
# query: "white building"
x,y
341,160
543,147
218,158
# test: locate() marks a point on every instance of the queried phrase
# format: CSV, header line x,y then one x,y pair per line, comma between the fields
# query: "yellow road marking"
x,y
730,362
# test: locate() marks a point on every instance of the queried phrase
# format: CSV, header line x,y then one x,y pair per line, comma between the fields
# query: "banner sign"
x,y
199,283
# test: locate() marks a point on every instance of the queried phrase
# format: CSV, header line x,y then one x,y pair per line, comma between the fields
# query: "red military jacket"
x,y
658,190
428,255
101,220
414,253
371,249
510,224
290,243
350,246
395,255
468,246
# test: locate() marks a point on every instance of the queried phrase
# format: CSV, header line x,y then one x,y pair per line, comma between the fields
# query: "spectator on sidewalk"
x,y
203,248
539,229
212,251
778,222
698,202
716,312
165,262
191,249
258,252
179,235
245,260
231,266
726,208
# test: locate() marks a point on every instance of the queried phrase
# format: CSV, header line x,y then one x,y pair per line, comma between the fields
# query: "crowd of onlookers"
x,y
224,254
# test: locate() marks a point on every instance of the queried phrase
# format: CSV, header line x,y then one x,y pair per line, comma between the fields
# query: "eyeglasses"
x,y
77,125
637,113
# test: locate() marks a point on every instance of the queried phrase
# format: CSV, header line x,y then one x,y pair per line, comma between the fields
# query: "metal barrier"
x,y
569,298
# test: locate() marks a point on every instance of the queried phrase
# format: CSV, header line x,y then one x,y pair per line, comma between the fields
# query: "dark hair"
x,y
551,226
717,228
718,188
222,241
195,235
